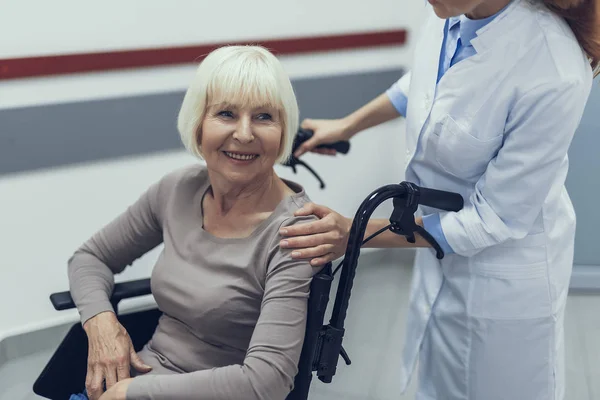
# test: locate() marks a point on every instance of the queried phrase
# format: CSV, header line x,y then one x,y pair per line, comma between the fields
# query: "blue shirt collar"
x,y
469,27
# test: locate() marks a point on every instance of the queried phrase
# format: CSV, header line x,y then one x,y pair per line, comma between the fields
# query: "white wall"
x,y
72,26
45,215
68,26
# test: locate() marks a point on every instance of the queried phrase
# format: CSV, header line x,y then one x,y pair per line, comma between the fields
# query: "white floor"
x,y
374,337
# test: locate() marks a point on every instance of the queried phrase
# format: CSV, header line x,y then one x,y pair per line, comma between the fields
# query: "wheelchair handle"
x,y
304,134
440,199
406,198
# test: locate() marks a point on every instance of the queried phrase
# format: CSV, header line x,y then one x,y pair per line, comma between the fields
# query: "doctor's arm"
x,y
387,106
383,108
510,194
506,200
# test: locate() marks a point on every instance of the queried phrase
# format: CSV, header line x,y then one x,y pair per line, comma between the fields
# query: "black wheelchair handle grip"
x,y
440,199
123,290
341,147
303,135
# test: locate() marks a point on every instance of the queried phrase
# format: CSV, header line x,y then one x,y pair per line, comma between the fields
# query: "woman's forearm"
x,y
377,111
389,239
91,283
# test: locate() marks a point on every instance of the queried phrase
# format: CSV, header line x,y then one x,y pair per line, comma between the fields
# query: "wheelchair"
x,y
65,372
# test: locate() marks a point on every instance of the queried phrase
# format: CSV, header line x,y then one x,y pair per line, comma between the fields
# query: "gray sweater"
x,y
234,310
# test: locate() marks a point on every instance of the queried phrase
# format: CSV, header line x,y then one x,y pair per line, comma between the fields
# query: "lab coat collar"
x,y
469,27
501,29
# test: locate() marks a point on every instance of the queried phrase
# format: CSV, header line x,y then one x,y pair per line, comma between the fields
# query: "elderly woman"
x,y
234,304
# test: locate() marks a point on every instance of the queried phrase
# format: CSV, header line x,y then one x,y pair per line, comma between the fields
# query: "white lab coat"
x,y
488,320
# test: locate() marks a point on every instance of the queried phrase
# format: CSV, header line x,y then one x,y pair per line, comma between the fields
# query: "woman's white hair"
x,y
240,75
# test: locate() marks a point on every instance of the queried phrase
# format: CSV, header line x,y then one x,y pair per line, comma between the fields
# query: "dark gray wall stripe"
x,y
57,135
583,181
48,136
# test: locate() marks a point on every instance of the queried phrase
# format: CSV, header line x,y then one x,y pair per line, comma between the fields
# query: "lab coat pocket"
x,y
528,250
461,154
510,291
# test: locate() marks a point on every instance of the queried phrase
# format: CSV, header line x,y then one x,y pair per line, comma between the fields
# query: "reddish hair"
x,y
583,16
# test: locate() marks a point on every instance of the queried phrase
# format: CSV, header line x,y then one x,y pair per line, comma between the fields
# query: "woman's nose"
x,y
243,132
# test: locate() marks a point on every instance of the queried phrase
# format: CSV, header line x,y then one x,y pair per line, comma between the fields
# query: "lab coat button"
x,y
427,102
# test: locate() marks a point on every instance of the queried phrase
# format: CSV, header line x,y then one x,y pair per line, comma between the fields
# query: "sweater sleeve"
x,y
271,362
92,267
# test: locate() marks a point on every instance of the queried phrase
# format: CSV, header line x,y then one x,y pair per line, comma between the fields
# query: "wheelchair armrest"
x,y
123,290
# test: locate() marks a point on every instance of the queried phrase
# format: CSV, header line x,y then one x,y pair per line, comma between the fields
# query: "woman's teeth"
x,y
244,157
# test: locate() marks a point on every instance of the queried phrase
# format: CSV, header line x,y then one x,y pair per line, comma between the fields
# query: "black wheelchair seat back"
x,y
65,372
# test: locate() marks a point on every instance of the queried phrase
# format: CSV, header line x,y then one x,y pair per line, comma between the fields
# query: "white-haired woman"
x,y
234,303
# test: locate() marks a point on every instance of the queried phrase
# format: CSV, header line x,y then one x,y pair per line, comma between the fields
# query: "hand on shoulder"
x,y
323,240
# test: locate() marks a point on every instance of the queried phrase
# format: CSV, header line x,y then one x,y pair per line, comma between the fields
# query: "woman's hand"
x,y
118,391
326,131
110,353
323,241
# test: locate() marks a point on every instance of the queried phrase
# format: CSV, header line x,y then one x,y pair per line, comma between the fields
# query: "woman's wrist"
x,y
350,124
376,112
106,316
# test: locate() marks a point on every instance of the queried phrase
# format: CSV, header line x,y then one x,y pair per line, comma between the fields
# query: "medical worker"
x,y
496,92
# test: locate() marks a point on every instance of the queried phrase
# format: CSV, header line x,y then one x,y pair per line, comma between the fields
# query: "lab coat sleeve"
x,y
509,195
398,93
433,225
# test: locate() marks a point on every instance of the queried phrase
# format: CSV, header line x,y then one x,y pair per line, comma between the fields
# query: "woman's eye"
x,y
264,117
226,114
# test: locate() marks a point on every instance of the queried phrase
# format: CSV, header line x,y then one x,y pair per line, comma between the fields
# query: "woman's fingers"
x,y
293,232
308,241
94,383
310,143
320,261
110,376
313,209
310,234
137,362
123,371
313,252
327,152
322,241
307,123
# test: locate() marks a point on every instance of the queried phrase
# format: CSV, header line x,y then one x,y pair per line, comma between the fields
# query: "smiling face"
x,y
240,101
241,143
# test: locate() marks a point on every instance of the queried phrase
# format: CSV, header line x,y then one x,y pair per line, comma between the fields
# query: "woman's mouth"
x,y
240,156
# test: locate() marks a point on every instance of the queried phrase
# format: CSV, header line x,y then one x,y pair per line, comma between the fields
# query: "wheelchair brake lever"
x,y
345,356
402,221
427,236
312,171
302,136
293,161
